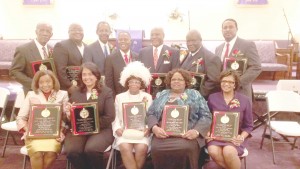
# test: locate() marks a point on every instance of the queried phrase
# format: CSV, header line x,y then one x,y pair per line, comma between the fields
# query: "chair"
x,y
281,101
4,93
12,125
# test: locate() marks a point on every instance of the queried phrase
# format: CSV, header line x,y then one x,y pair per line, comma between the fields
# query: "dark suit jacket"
x,y
211,66
97,56
21,68
106,109
114,65
66,53
146,57
249,50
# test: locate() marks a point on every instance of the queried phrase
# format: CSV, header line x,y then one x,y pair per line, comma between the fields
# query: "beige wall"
x,y
18,21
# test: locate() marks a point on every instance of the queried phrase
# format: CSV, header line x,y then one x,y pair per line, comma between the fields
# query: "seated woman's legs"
x,y
216,153
95,145
231,157
49,158
36,160
140,154
128,156
74,147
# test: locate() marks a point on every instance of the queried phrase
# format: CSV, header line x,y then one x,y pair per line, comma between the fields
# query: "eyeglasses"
x,y
228,82
178,80
134,82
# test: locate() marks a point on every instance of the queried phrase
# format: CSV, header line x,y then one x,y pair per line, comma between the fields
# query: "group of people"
x,y
127,74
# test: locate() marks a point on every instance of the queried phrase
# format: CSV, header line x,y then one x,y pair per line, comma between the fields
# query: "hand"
x,y
159,132
191,134
61,138
146,132
119,132
68,109
208,138
238,140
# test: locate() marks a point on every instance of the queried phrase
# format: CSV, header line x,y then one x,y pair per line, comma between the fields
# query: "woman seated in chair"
x,y
183,151
133,144
86,151
45,86
226,154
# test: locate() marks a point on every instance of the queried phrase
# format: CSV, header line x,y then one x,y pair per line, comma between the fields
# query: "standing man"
x,y
69,53
100,49
37,49
115,63
246,48
206,62
158,57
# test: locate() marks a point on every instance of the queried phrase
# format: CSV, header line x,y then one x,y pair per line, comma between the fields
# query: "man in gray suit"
x,y
115,62
21,68
158,57
206,62
244,47
100,49
69,53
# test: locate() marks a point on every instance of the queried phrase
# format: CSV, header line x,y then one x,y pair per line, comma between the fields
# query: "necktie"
x,y
155,57
45,53
126,59
105,51
227,50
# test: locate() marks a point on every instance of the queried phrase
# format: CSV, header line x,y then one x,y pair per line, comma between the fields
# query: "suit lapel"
x,y
34,52
161,58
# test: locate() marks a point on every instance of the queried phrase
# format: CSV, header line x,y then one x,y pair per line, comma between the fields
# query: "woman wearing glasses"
x,y
226,154
132,143
180,152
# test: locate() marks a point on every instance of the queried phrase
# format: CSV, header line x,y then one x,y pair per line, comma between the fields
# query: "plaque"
x,y
237,64
72,74
134,114
46,64
157,84
197,80
44,121
225,125
84,118
175,119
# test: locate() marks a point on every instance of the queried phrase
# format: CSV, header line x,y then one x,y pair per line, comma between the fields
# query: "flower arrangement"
x,y
234,103
199,61
184,96
52,97
50,52
167,55
237,53
94,95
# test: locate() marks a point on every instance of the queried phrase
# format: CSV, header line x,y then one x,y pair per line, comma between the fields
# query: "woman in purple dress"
x,y
226,154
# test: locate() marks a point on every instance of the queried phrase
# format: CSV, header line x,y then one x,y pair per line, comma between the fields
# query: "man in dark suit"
x,y
101,48
206,62
21,68
158,57
115,62
69,53
245,48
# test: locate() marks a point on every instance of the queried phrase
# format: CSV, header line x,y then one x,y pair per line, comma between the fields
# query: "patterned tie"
x,y
227,50
155,57
105,51
126,59
45,53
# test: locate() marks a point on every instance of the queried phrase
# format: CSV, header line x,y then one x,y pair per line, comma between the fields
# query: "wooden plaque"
x,y
225,125
175,119
157,84
47,64
197,80
72,74
44,121
237,64
84,118
134,114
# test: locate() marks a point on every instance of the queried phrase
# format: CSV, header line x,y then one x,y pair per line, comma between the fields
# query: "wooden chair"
x,y
285,56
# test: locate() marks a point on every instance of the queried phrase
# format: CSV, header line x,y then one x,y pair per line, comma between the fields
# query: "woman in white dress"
x,y
133,144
